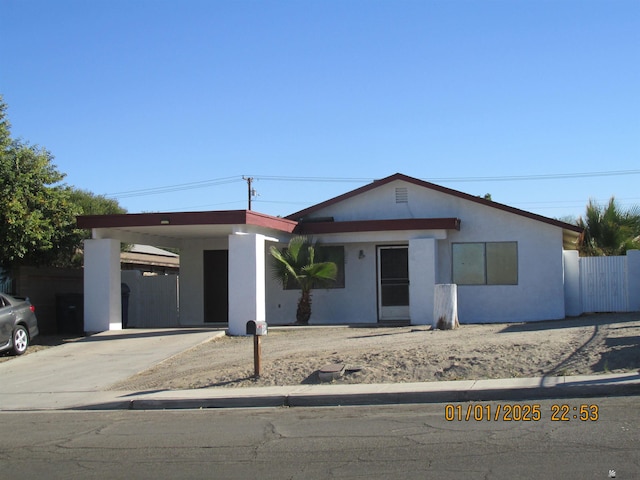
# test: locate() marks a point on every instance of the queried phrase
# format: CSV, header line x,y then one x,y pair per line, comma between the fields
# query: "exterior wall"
x,y
539,294
422,279
356,303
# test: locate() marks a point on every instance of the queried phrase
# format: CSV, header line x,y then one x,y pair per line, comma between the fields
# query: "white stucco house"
x,y
393,240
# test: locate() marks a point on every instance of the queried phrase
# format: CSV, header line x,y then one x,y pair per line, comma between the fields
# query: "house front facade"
x,y
393,241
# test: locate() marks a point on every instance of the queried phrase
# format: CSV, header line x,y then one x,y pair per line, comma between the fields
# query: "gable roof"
x,y
302,214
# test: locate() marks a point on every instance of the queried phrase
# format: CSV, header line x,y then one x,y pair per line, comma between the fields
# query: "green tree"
x,y
91,204
609,230
296,263
85,203
36,211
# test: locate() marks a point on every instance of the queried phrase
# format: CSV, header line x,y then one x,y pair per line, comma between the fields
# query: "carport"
x,y
222,263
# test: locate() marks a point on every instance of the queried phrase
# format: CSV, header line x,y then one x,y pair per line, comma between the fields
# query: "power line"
x,y
234,179
553,176
550,176
175,188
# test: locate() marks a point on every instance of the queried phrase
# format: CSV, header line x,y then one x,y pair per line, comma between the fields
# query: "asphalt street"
x,y
402,441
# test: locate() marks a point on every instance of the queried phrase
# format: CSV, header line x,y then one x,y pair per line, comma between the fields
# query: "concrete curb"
x,y
380,394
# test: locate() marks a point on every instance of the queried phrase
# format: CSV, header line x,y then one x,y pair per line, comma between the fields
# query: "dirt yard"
x,y
590,344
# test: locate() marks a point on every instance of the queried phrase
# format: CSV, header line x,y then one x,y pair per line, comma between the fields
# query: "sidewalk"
x,y
380,394
76,376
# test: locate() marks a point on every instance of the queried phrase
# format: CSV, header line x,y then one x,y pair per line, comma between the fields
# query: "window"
x,y
491,263
335,255
326,253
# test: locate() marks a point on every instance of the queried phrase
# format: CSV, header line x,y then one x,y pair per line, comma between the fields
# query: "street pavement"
x,y
76,375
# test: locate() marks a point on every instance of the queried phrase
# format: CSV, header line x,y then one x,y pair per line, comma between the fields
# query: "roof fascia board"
x,y
315,228
227,217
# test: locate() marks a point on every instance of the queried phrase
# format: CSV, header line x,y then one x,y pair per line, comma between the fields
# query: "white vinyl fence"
x,y
602,284
153,300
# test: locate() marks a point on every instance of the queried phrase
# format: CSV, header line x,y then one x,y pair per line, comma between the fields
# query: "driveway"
x,y
71,373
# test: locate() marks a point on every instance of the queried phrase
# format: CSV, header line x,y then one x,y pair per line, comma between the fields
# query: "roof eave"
x,y
315,228
226,217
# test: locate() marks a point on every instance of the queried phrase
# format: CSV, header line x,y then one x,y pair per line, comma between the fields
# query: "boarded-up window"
x,y
468,263
502,263
492,263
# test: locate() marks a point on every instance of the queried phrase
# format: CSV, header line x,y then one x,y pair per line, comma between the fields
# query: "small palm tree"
x,y
609,230
297,264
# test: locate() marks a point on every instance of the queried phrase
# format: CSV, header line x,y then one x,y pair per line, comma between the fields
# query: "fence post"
x,y
633,280
572,299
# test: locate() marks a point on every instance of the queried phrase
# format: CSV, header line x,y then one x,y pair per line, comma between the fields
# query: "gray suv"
x,y
18,324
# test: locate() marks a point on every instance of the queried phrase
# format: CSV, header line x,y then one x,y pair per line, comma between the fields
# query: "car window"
x,y
3,302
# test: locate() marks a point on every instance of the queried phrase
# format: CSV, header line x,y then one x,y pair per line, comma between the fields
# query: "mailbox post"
x,y
257,328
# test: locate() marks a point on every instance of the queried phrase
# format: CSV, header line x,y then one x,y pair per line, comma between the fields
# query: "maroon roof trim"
x,y
228,217
398,176
378,225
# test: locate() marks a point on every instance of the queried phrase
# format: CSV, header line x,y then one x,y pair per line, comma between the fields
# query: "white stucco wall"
x,y
539,294
423,278
354,304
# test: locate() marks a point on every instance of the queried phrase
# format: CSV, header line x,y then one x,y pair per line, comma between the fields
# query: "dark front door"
x,y
216,286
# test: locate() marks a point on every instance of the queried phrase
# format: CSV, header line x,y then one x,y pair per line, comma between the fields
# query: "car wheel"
x,y
20,340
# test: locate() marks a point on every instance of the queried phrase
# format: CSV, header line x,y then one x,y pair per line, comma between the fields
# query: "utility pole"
x,y
250,191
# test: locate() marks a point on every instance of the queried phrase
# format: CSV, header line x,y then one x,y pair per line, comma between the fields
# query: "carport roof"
x,y
184,224
226,217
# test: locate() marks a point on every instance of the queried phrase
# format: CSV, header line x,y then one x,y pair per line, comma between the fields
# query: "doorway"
x,y
393,283
216,286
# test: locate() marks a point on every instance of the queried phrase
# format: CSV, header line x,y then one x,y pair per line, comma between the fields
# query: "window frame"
x,y
489,263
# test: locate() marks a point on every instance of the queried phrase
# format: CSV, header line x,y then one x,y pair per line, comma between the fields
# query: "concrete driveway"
x,y
74,372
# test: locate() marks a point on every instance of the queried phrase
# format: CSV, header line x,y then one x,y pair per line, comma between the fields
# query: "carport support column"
x,y
246,281
423,258
102,296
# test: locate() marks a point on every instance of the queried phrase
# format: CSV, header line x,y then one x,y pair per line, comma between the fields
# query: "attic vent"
x,y
402,195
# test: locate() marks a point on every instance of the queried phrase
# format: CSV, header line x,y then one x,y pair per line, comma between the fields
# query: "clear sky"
x,y
536,102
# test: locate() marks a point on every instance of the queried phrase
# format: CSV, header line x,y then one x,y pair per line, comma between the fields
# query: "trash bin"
x,y
70,313
125,292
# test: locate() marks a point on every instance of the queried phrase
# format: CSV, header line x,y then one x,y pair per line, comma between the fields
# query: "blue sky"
x,y
316,98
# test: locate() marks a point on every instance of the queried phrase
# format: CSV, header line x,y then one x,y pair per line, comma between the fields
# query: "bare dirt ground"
x,y
592,344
